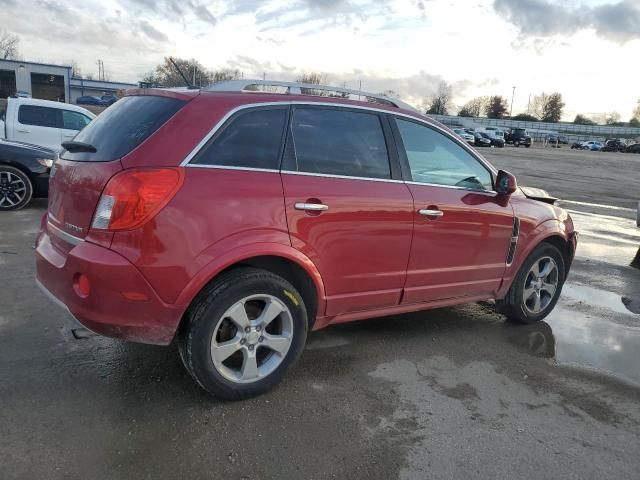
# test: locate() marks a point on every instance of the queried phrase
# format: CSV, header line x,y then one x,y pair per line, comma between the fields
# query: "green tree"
x,y
525,117
552,108
634,122
583,120
497,107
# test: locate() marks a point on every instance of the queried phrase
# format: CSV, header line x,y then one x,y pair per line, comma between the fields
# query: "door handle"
x,y
311,207
22,130
428,212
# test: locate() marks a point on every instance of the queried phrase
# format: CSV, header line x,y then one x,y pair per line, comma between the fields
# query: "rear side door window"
x,y
337,142
435,159
252,139
39,116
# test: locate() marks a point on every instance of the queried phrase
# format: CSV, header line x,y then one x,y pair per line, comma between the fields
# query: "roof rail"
x,y
296,88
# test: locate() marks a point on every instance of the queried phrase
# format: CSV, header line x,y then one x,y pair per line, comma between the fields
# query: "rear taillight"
x,y
133,197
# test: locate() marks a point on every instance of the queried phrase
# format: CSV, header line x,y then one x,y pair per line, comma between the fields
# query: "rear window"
x,y
124,126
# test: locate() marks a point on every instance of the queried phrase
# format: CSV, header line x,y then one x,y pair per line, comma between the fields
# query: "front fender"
x,y
529,239
246,252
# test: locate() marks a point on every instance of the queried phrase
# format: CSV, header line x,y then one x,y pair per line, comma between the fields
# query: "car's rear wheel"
x,y
537,286
243,333
15,188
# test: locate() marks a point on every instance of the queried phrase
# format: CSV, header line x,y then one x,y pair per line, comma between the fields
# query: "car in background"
x,y
480,140
42,122
563,139
90,100
592,145
109,99
517,137
202,226
24,173
634,148
468,137
614,145
496,141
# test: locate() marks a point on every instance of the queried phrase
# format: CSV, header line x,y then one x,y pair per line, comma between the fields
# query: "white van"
x,y
42,122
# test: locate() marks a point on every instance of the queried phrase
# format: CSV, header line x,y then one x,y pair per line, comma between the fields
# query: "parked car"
x,y
42,122
592,145
518,136
208,226
576,145
90,100
480,140
109,99
616,145
635,148
563,139
495,141
24,173
551,138
468,137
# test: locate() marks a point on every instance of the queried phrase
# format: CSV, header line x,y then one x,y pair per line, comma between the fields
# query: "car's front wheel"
x,y
243,332
537,286
15,188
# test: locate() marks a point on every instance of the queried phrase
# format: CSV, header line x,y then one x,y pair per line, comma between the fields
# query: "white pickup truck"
x,y
42,122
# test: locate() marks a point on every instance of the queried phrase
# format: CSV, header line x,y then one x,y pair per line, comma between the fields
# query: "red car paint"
x,y
370,255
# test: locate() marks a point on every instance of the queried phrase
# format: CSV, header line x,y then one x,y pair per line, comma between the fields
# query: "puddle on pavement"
x,y
605,339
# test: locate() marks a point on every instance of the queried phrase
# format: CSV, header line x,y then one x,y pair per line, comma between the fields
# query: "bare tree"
x,y
474,107
9,45
611,118
548,108
440,102
636,111
75,70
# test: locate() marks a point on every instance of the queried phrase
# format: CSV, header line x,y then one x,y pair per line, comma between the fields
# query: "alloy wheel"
x,y
12,189
540,285
252,338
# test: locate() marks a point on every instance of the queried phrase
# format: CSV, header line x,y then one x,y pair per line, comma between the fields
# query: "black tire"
x,y
25,198
516,144
513,305
206,312
528,145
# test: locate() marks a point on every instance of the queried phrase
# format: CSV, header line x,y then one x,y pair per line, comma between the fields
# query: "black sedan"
x,y
481,140
24,173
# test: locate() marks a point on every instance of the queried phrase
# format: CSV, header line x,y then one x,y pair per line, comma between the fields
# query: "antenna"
x,y
186,80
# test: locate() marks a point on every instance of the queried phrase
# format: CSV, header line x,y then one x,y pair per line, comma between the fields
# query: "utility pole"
x,y
529,103
194,75
513,92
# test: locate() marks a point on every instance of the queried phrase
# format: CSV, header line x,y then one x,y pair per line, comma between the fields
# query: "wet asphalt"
x,y
448,393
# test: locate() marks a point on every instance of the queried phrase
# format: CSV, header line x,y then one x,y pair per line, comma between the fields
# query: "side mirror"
x,y
506,183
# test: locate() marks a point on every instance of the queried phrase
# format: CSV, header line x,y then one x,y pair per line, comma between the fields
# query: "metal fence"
x,y
539,130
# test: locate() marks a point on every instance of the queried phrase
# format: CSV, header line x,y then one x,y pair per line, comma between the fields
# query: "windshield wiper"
x,y
73,146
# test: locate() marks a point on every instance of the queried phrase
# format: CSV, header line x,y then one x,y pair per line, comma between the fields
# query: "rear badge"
x,y
73,227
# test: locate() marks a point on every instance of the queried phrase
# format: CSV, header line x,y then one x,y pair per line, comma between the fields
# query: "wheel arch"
x,y
279,259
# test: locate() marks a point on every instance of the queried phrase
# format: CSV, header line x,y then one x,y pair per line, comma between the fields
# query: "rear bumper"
x,y
108,309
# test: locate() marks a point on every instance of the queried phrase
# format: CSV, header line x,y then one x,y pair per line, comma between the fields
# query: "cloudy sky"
x,y
589,50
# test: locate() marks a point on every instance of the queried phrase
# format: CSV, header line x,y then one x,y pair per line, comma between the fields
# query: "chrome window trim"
x,y
67,237
230,167
222,121
474,190
346,177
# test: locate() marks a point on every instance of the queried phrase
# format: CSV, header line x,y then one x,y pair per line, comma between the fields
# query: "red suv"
x,y
238,221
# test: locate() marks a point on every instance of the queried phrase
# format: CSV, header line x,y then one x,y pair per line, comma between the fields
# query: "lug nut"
x,y
250,347
261,339
242,341
247,329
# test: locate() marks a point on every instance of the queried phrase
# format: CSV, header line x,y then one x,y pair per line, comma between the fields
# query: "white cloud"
x,y
480,47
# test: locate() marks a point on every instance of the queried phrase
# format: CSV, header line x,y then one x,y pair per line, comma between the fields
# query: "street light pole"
x,y
513,92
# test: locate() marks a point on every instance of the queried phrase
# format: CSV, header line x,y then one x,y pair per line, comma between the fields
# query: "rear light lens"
x,y
133,197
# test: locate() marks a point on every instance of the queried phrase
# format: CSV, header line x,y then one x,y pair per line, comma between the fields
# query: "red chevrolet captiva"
x,y
236,220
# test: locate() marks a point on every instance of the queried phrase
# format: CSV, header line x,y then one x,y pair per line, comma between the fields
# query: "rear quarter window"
x,y
124,126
